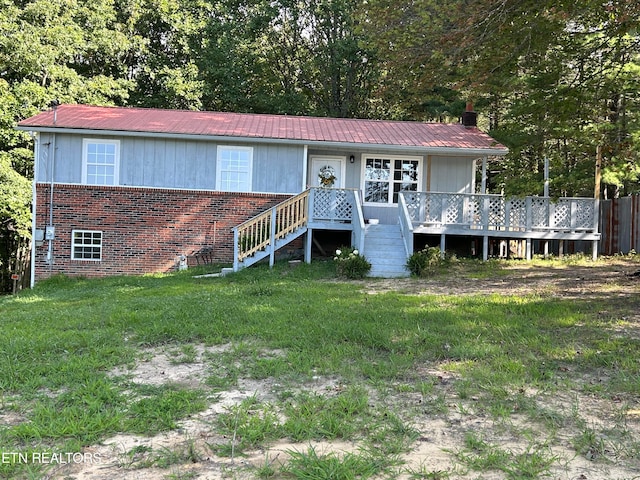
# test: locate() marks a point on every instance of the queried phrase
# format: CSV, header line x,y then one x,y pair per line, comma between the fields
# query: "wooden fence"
x,y
620,225
15,261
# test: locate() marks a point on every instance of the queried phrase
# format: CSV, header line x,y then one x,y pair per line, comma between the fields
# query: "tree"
x,y
553,78
167,36
53,49
305,57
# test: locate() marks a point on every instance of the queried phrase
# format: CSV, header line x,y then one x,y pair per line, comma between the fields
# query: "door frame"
x,y
319,158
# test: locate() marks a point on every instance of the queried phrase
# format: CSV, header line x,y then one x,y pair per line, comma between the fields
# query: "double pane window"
x,y
234,168
101,160
385,178
86,245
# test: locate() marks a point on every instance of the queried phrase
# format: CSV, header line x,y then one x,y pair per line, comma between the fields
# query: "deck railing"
x,y
332,204
495,212
319,207
264,230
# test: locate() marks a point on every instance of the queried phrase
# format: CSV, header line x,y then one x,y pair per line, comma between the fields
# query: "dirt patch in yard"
x,y
443,419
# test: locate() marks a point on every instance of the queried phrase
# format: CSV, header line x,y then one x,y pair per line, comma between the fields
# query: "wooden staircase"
x,y
384,249
261,236
330,209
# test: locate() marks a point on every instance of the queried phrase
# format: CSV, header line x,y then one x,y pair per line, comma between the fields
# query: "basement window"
x,y
86,245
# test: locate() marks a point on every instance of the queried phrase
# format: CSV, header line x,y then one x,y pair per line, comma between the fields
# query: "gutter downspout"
x,y
36,155
305,166
50,233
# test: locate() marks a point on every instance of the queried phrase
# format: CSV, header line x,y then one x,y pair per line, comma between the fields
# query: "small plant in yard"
x,y
350,263
309,465
425,261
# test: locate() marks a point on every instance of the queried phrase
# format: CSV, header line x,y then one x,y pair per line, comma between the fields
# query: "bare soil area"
x,y
441,434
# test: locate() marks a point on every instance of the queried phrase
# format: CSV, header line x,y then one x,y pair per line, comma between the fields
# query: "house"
x,y
131,190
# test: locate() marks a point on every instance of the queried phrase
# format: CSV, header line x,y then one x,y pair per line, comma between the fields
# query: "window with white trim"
x,y
100,161
385,178
86,245
234,169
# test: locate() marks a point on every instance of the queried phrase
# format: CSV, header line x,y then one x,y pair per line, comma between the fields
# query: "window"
x,y
86,245
234,168
385,178
101,162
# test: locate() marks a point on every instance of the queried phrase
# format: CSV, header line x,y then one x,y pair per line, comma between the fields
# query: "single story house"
x,y
132,190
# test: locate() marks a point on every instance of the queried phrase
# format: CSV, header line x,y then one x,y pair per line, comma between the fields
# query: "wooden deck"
x,y
479,216
495,216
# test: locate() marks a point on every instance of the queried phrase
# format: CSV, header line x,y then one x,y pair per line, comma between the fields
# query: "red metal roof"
x,y
255,126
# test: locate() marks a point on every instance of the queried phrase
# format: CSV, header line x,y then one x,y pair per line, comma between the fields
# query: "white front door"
x,y
327,172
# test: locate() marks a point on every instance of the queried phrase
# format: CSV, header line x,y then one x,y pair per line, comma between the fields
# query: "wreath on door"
x,y
327,176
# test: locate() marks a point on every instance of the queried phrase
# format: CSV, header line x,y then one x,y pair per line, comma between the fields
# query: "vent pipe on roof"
x,y
54,105
469,117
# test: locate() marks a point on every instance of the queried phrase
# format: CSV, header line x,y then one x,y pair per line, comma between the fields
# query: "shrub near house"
x,y
350,263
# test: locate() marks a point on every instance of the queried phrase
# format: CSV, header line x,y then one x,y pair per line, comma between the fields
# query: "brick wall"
x,y
144,230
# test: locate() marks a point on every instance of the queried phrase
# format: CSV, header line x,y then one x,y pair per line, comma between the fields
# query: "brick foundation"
x,y
144,230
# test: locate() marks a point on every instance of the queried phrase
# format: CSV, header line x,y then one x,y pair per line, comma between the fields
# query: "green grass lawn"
x,y
60,342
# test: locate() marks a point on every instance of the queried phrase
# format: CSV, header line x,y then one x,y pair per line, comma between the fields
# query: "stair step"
x,y
384,249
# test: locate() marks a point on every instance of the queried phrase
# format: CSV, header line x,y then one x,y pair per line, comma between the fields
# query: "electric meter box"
x,y
49,232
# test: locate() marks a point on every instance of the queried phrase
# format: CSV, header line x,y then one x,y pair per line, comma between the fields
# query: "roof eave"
x,y
268,140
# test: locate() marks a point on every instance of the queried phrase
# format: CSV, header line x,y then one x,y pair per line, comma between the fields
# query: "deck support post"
x,y
594,250
236,262
546,248
307,245
485,248
528,249
442,245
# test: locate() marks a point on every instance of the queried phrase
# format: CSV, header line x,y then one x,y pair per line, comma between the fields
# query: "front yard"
x,y
493,371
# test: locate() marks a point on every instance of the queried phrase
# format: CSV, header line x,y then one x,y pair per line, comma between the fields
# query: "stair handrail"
x,y
358,223
406,224
256,234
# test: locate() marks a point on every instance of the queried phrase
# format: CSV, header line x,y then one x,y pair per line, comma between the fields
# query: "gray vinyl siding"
x,y
278,168
452,174
173,163
68,160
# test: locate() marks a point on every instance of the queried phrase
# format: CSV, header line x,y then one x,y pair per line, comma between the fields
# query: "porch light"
x,y
352,159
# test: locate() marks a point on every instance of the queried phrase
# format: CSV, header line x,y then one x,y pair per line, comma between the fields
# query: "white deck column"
x,y
485,248
307,245
483,188
528,249
442,244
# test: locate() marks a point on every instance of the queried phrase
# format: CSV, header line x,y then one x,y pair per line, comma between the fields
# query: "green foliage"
x,y
15,198
425,261
311,466
350,263
248,425
160,411
549,80
312,417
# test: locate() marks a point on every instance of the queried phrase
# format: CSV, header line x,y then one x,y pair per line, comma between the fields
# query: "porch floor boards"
x,y
384,249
